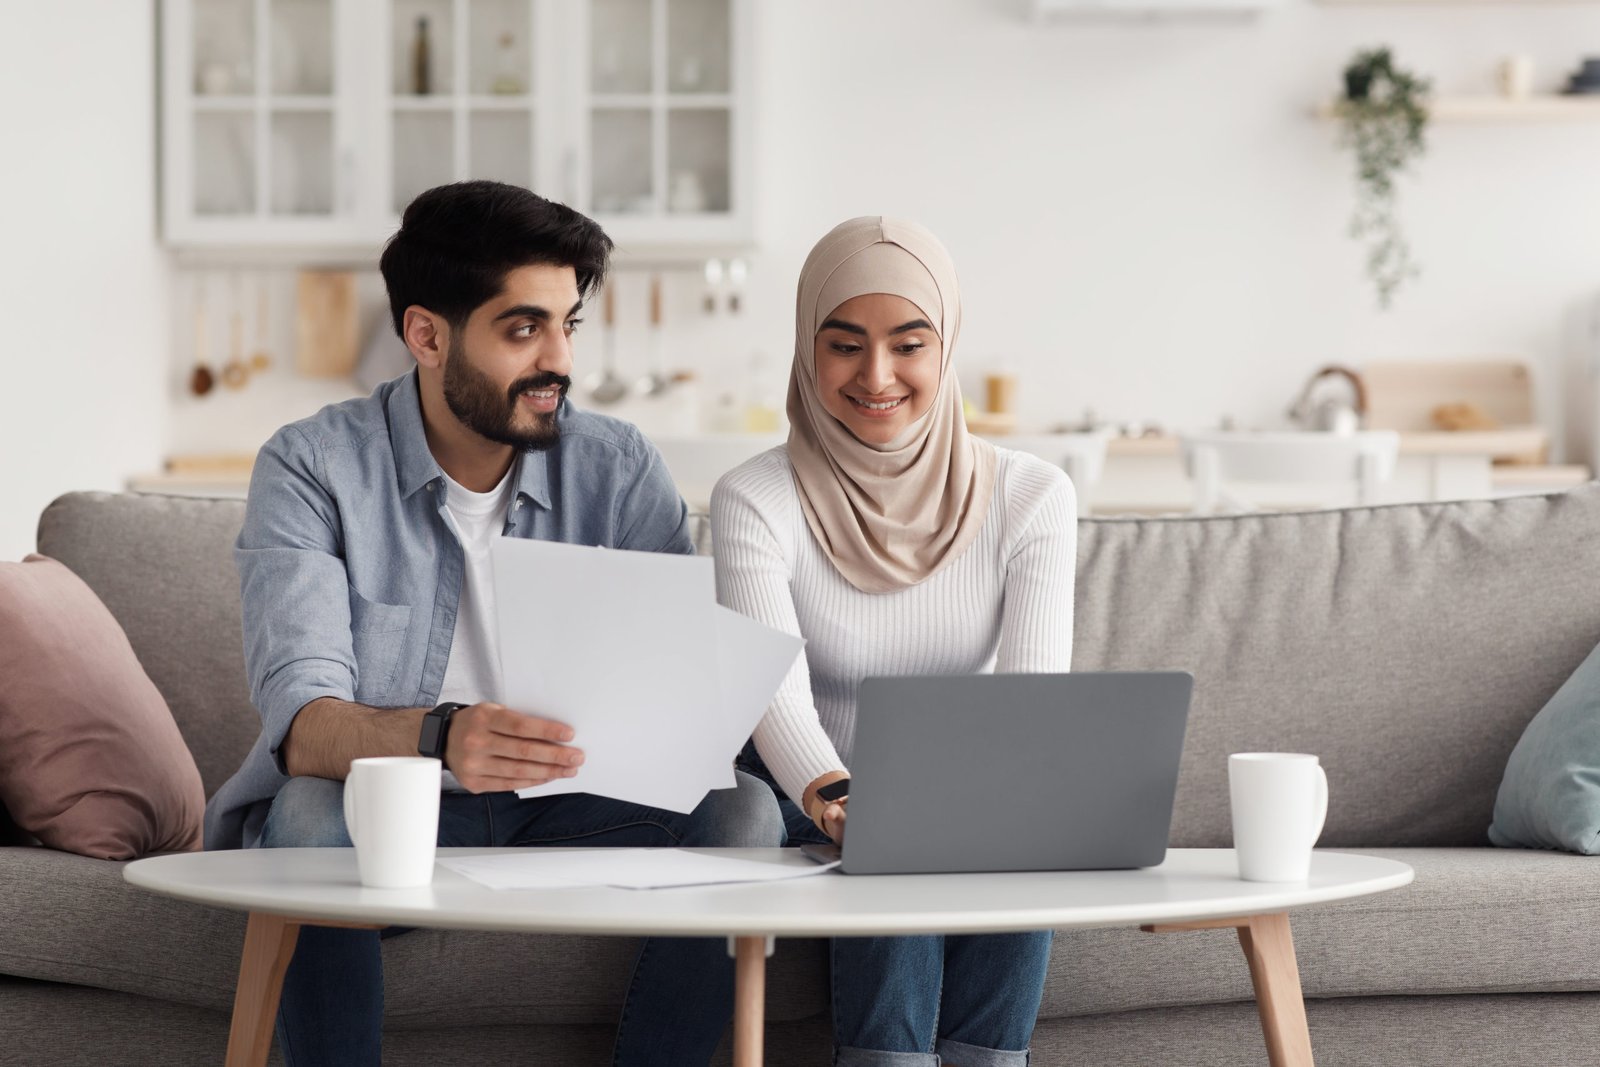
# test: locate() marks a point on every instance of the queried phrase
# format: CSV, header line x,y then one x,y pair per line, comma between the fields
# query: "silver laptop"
x,y
1013,772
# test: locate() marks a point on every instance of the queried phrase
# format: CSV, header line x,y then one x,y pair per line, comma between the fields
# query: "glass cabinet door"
x,y
258,103
315,122
660,123
461,94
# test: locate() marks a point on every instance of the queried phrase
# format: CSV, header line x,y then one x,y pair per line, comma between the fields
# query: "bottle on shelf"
x,y
506,82
725,416
421,60
762,410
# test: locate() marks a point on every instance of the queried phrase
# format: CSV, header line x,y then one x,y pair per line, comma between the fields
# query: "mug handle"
x,y
1321,805
349,803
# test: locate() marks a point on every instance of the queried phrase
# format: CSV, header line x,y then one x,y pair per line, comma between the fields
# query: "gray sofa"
x,y
1407,646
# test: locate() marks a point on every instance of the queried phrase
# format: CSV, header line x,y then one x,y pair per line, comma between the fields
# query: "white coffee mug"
x,y
391,811
1280,801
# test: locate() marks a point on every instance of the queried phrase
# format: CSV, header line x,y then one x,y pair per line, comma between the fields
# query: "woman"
x,y
895,543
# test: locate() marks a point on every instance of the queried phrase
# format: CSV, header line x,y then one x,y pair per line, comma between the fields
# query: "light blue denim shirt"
x,y
351,573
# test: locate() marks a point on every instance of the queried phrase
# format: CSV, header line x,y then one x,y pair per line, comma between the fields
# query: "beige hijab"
x,y
888,516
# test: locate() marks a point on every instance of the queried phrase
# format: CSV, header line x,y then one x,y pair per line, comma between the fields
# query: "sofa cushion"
x,y
1407,646
1550,796
1474,920
164,567
90,759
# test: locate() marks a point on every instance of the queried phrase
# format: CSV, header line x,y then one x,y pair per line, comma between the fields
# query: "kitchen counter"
x,y
1508,443
1135,475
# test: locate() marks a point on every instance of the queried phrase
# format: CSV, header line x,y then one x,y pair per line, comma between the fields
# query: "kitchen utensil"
x,y
713,283
736,276
261,358
201,379
1329,414
608,387
326,331
235,372
656,381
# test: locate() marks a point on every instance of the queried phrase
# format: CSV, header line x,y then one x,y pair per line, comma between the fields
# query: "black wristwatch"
x,y
435,729
834,791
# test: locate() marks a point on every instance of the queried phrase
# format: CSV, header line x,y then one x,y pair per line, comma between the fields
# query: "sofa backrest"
x,y
1407,646
164,566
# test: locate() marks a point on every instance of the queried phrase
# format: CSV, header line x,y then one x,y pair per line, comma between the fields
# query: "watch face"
x,y
428,743
835,790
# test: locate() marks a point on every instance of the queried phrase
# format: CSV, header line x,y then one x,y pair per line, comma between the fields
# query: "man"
x,y
365,575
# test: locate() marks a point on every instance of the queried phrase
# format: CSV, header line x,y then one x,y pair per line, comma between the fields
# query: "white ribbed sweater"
x,y
1004,605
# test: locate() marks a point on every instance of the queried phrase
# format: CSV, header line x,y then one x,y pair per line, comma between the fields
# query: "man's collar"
x,y
413,460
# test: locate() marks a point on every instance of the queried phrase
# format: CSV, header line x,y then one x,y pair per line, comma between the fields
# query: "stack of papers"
x,y
661,685
624,868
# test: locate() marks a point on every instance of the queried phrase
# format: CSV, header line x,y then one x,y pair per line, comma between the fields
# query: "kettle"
x,y
1331,414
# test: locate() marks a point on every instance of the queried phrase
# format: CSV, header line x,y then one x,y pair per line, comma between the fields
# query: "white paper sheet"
x,y
660,684
623,868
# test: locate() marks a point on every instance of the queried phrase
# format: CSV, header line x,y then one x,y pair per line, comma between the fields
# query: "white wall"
x,y
82,279
1145,219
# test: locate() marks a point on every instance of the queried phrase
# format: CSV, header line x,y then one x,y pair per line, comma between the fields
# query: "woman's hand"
x,y
828,816
832,821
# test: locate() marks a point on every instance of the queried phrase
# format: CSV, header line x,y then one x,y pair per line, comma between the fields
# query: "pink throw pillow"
x,y
91,760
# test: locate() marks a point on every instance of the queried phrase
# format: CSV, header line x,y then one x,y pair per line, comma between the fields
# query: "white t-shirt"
x,y
472,673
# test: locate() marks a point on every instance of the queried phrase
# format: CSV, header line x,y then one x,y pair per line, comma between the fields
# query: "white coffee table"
x,y
284,889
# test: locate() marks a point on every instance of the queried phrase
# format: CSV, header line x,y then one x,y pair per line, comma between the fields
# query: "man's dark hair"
x,y
458,242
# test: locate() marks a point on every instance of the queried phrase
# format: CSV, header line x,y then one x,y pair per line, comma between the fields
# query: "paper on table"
x,y
659,683
623,868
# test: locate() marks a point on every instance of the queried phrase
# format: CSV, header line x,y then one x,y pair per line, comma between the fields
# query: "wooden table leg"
x,y
749,999
268,947
269,942
1269,949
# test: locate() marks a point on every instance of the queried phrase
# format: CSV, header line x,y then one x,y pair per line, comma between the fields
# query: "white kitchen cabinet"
x,y
303,123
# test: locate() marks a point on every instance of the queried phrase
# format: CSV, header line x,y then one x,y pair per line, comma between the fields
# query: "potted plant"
x,y
1385,111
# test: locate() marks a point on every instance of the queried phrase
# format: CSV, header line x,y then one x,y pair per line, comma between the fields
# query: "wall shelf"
x,y
1543,108
1068,11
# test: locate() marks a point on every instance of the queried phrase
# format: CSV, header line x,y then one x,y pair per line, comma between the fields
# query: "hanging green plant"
x,y
1385,112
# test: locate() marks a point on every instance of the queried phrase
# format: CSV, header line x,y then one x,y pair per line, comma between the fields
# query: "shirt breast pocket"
x,y
378,636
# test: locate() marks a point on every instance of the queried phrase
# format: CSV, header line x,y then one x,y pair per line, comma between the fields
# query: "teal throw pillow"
x,y
1550,795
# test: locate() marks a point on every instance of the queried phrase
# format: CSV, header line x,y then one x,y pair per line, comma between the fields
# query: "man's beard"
x,y
488,412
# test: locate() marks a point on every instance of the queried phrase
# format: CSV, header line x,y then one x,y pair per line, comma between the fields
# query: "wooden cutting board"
x,y
327,341
1402,396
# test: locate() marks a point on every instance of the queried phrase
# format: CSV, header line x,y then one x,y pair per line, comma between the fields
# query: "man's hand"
x,y
491,749
828,815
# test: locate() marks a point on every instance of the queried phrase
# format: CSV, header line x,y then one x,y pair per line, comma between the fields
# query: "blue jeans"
x,y
970,1000
681,996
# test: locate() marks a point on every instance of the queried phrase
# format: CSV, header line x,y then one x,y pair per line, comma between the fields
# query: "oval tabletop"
x,y
321,883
